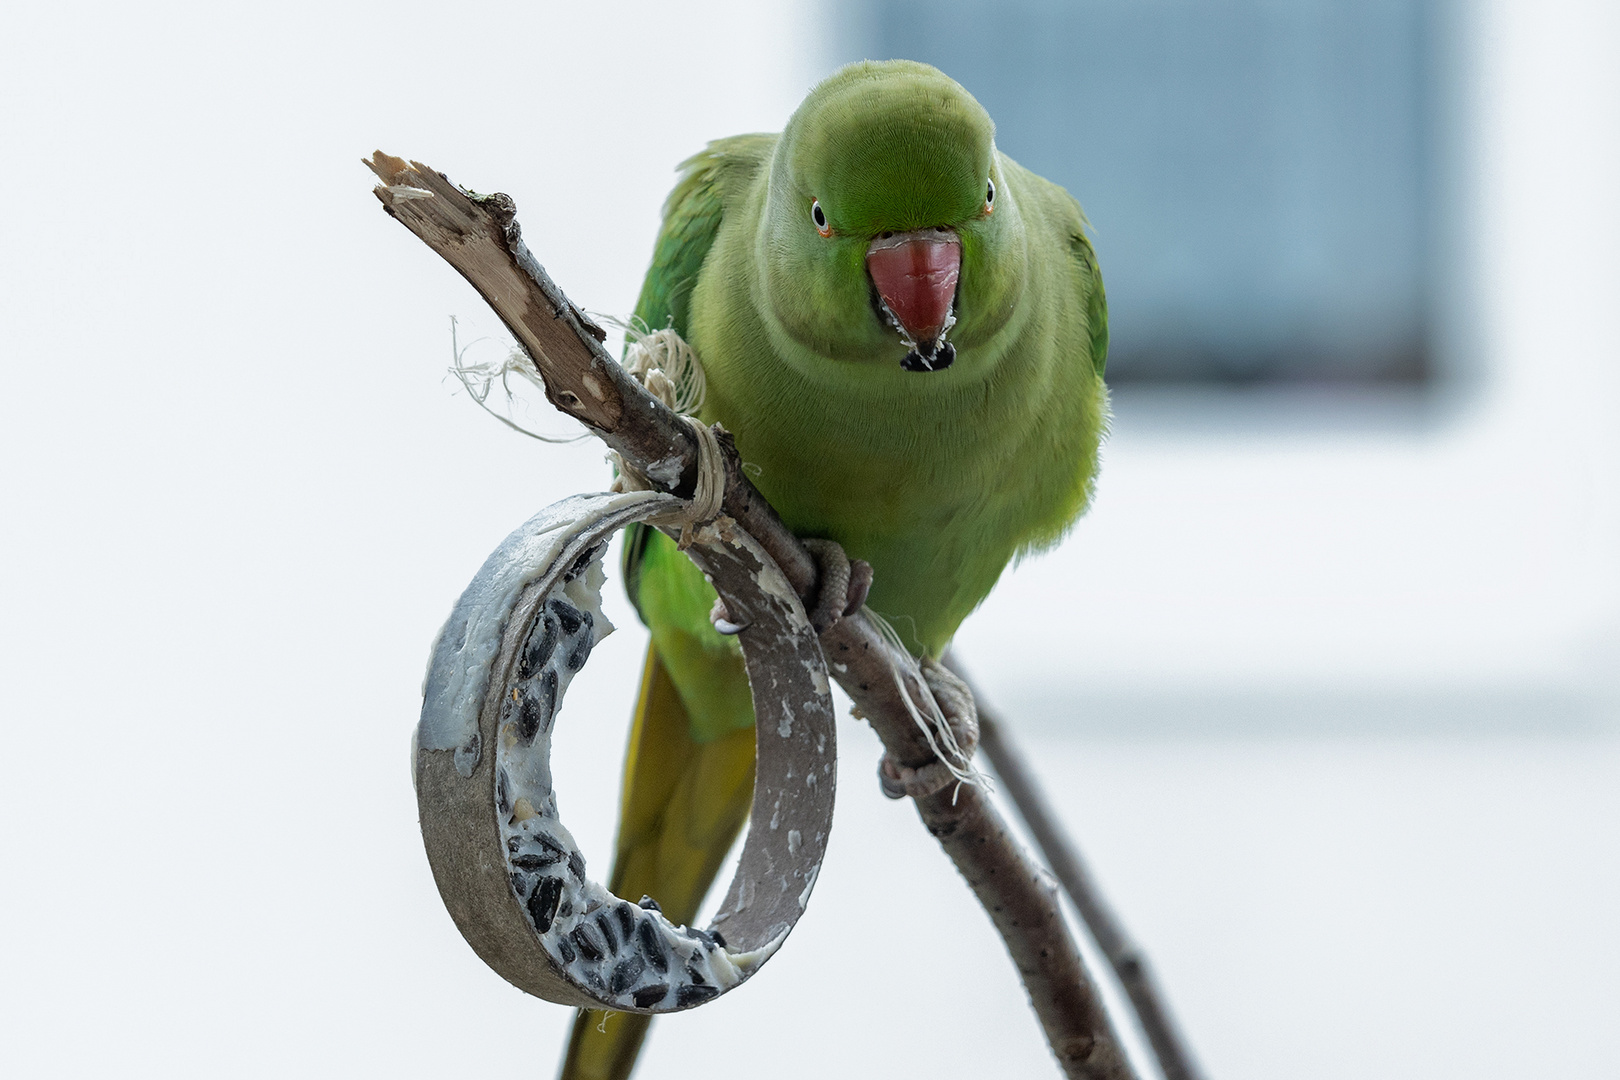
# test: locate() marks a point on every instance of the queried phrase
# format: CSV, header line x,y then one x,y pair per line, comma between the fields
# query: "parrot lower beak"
x,y
915,274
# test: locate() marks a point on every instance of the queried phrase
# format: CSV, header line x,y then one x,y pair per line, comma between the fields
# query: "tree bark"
x,y
1127,959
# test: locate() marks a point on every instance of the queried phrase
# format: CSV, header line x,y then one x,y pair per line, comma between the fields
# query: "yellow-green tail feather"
x,y
683,805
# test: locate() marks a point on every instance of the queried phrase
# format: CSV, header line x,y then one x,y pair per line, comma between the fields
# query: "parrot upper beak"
x,y
915,274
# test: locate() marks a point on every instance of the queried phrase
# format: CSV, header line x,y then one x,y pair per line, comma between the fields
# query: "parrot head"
x,y
888,234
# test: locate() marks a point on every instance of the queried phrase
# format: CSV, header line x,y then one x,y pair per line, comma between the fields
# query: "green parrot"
x,y
905,331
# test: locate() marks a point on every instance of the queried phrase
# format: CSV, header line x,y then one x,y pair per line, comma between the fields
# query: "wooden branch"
x,y
1129,962
479,236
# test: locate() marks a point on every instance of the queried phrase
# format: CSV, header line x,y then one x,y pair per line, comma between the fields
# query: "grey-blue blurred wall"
x,y
1260,174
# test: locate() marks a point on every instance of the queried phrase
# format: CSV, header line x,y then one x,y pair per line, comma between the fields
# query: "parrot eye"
x,y
817,216
990,197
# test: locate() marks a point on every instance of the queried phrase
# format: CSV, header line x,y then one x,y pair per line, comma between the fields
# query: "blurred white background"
x,y
1329,689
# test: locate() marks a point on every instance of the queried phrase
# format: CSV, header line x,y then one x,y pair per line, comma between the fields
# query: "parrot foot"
x,y
721,618
842,583
897,780
961,714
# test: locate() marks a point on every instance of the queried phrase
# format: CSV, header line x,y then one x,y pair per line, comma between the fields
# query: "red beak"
x,y
915,273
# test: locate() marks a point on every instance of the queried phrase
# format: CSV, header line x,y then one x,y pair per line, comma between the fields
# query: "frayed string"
x,y
944,745
480,379
668,367
709,495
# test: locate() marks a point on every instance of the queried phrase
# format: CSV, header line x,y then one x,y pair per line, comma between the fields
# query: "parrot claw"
x,y
956,702
860,583
721,618
898,781
890,785
842,584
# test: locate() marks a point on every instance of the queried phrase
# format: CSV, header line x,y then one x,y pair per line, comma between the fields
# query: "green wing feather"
x,y
692,216
1095,299
669,593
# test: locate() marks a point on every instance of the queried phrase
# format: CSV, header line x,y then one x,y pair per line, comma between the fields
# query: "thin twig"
x,y
1129,962
478,235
